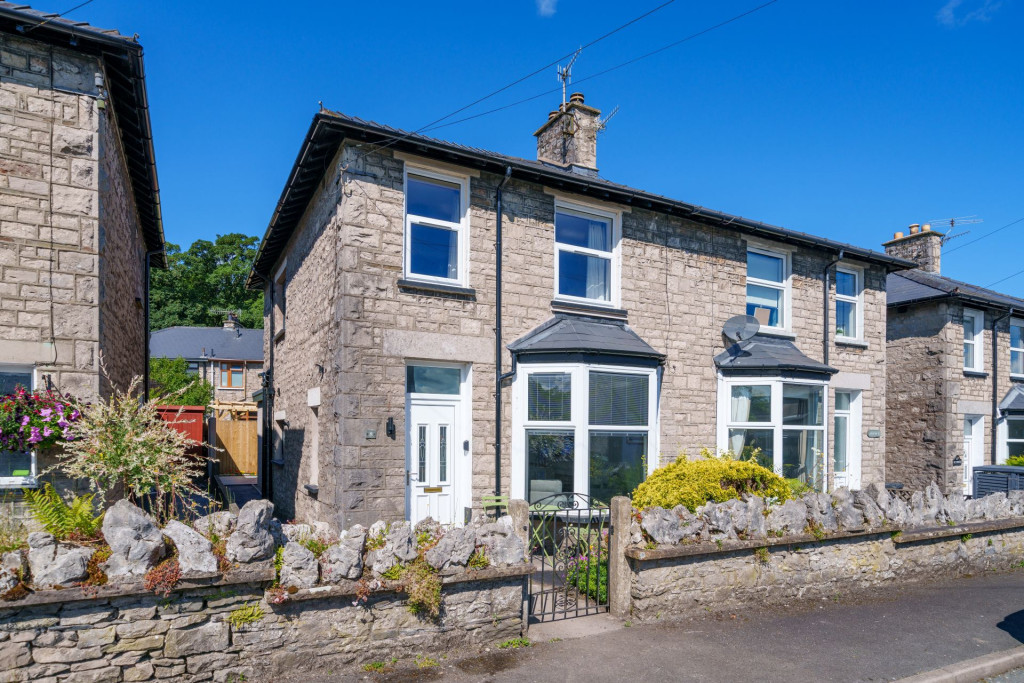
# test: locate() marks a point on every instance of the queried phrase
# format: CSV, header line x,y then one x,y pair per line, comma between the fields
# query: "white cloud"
x,y
982,11
546,8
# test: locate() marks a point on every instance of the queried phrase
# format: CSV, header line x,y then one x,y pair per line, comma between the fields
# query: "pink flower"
x,y
24,421
47,432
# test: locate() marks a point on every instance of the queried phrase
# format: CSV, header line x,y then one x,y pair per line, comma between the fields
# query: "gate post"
x,y
620,600
519,511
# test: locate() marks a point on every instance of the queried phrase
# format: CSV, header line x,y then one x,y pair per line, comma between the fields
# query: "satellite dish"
x,y
741,327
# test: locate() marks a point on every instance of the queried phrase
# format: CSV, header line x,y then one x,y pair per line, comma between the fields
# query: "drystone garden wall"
x,y
246,598
742,553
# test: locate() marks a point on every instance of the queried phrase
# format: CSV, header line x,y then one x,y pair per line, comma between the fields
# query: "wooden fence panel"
x,y
237,439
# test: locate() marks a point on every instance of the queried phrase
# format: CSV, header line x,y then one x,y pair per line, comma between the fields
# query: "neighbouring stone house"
x,y
956,371
79,211
229,357
381,269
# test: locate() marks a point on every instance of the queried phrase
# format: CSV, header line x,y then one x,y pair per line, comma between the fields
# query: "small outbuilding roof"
x,y
763,354
214,343
1013,402
911,286
579,334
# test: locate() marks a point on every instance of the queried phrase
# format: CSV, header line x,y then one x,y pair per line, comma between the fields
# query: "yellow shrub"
x,y
714,478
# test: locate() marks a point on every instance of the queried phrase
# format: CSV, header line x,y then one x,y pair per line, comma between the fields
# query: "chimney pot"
x,y
898,235
553,114
914,228
576,97
926,227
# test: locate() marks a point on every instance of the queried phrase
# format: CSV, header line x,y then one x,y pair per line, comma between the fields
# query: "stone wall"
x,y
349,313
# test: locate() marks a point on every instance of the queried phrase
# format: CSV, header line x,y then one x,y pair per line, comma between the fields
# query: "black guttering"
x,y
329,129
122,58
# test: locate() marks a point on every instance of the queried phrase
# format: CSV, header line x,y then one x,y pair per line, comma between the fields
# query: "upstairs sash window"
x,y
849,313
768,287
435,243
1017,348
585,259
974,352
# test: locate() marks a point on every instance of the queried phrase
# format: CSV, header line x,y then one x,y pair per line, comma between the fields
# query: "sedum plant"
x,y
122,446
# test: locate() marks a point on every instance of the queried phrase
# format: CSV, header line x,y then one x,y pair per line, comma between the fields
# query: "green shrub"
x,y
589,575
62,519
1015,461
715,478
797,488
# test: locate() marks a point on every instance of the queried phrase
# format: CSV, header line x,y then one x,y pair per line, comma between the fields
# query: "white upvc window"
x,y
583,428
849,303
1014,436
782,418
436,227
1017,348
17,469
768,288
587,254
974,349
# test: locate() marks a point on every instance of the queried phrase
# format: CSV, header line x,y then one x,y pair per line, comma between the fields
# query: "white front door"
x,y
974,449
430,462
846,427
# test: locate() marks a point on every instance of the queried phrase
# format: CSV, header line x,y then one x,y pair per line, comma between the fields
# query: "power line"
x,y
1019,272
987,234
517,81
57,16
610,69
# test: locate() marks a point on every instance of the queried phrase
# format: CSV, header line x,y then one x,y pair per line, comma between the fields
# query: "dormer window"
x,y
436,242
586,255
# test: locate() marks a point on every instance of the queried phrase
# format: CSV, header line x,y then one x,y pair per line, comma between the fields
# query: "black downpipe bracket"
x,y
145,323
995,382
825,293
497,334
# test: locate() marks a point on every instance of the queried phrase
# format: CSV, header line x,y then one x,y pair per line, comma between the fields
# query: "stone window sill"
x,y
784,334
857,343
430,289
975,373
559,306
279,335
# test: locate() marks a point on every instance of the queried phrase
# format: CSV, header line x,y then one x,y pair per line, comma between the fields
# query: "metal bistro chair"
x,y
497,503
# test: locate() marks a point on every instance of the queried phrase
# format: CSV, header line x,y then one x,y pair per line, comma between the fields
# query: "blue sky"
x,y
849,119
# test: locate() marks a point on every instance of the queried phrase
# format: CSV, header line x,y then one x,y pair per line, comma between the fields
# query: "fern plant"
x,y
61,518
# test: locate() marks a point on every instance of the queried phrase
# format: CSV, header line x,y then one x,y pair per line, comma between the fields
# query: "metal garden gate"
x,y
569,551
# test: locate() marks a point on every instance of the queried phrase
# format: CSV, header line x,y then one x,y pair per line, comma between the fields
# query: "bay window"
x,y
1015,436
782,421
1017,348
586,248
583,428
974,349
768,288
849,306
436,241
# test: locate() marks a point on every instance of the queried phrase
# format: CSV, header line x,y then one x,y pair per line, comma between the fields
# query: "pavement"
x,y
884,636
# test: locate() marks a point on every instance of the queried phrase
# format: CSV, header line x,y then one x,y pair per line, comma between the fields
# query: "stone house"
x,y
955,372
409,281
79,210
229,357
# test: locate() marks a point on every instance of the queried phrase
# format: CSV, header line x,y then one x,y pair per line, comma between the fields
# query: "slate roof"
x,y
126,82
767,354
329,129
1013,402
917,285
578,334
219,343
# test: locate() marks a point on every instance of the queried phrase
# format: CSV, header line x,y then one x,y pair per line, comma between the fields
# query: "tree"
x,y
168,376
209,276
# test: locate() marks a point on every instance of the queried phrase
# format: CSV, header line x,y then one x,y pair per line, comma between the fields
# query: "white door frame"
x,y
462,438
854,444
973,451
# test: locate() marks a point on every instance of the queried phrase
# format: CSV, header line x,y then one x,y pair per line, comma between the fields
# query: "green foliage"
x,y
122,444
965,537
762,555
249,613
61,518
589,575
13,534
425,662
207,277
278,565
515,643
94,568
798,488
895,535
815,529
378,541
423,586
170,381
393,573
1015,461
713,478
478,560
315,544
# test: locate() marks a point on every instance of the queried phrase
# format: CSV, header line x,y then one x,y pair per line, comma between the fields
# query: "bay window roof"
x,y
1013,402
765,355
570,334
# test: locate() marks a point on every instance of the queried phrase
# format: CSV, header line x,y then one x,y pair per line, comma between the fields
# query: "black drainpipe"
x,y
824,292
145,323
266,481
995,380
497,336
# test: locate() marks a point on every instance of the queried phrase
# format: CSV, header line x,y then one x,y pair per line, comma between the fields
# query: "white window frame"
x,y
725,423
786,287
30,481
854,444
580,423
857,301
1017,322
977,340
461,228
1003,437
615,271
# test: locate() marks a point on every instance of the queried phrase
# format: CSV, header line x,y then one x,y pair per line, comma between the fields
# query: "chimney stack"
x,y
231,322
569,137
921,244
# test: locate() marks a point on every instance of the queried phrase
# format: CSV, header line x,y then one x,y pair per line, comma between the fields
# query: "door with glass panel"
x,y
846,444
974,449
430,447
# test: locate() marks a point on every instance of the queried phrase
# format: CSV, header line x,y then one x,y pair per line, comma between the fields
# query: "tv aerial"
x,y
741,328
565,73
602,124
953,223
